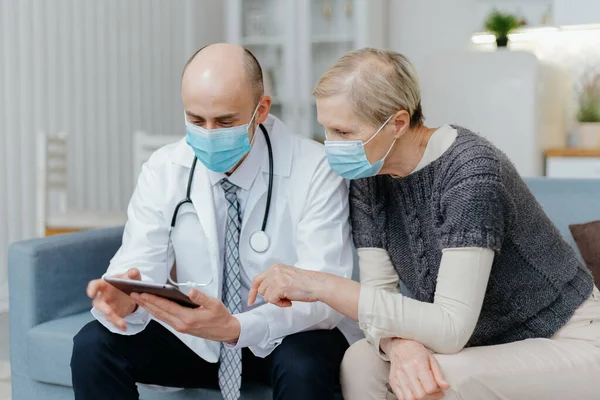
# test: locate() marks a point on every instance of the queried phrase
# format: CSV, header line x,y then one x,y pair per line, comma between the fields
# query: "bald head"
x,y
228,62
222,87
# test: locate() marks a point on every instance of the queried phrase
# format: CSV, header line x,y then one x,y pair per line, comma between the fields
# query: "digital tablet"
x,y
164,290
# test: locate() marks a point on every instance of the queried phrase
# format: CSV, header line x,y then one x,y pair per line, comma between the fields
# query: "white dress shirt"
x,y
253,329
243,177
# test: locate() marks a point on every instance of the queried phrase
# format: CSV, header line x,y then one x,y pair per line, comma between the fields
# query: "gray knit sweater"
x,y
472,196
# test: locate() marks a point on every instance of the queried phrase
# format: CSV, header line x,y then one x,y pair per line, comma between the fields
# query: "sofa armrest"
x,y
48,276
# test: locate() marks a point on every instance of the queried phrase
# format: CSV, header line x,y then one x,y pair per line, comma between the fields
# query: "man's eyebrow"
x,y
227,116
219,117
192,115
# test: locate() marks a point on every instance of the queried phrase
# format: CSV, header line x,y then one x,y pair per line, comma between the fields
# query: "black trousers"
x,y
106,365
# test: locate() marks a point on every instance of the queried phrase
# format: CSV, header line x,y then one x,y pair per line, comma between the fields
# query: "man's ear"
x,y
263,109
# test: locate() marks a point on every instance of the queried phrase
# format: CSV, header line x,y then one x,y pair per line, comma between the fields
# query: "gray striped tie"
x,y
230,367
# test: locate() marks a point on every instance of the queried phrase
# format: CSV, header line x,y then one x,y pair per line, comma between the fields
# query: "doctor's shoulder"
x,y
309,164
160,159
170,151
307,152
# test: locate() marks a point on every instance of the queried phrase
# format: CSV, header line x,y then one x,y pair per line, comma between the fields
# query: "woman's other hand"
x,y
281,284
415,373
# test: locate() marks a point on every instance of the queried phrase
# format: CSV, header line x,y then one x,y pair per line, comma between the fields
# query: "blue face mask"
x,y
219,149
349,160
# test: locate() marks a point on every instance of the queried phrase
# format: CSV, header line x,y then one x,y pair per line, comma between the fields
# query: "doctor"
x,y
150,340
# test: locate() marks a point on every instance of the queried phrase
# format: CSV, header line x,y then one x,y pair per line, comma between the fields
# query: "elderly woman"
x,y
502,307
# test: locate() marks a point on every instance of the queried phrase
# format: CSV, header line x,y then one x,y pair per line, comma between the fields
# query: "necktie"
x,y
230,360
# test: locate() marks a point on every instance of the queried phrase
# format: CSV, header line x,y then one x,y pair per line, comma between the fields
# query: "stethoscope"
x,y
259,240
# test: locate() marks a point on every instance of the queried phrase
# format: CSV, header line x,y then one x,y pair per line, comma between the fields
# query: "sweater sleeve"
x,y
364,228
443,326
377,270
476,209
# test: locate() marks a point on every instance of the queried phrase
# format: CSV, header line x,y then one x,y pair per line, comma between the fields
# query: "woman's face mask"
x,y
349,159
219,149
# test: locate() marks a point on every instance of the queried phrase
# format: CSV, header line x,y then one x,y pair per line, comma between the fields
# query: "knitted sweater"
x,y
472,196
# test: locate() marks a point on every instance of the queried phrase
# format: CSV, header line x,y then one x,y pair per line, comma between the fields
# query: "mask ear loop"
x,y
376,133
379,130
256,127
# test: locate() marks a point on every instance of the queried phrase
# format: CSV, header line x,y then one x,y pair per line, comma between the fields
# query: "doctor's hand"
x,y
281,284
211,320
114,304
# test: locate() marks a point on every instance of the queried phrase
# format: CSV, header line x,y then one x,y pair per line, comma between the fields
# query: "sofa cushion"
x,y
587,237
49,347
567,201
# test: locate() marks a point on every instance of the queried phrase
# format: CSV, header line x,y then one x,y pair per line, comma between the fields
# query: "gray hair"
x,y
378,83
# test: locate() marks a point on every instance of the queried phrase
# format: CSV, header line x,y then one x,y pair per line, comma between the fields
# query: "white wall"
x,y
419,28
97,70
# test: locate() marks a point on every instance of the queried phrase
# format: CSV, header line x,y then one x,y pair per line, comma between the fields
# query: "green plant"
x,y
589,110
589,99
501,24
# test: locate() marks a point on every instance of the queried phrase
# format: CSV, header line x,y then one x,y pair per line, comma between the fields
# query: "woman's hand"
x,y
282,284
415,373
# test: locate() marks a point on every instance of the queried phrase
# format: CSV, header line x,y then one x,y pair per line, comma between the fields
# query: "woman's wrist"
x,y
320,283
388,345
385,344
337,292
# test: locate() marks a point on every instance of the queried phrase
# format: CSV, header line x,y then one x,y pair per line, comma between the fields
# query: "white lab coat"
x,y
308,227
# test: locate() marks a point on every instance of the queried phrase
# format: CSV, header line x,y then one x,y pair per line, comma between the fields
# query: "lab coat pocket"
x,y
192,251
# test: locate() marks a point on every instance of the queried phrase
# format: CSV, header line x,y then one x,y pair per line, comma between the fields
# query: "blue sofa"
x,y
48,304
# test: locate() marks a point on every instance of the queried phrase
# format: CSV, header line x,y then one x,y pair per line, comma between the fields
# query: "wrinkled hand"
x,y
211,320
415,373
282,284
114,304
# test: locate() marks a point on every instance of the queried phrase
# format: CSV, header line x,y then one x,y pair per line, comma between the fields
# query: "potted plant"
x,y
500,24
589,112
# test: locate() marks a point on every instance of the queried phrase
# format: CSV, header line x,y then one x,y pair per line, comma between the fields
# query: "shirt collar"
x,y
439,142
247,171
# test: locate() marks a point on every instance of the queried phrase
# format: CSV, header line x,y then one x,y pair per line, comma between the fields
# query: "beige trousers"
x,y
566,366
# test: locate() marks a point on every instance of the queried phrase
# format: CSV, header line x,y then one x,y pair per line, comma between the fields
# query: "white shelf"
x,y
332,39
262,41
296,43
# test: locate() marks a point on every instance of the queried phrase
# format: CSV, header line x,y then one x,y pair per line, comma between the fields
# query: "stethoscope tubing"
x,y
188,190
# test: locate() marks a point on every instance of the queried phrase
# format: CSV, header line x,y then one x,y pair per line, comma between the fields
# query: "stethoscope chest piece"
x,y
259,241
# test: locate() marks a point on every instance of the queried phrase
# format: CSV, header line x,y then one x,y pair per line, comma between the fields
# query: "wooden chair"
x,y
53,215
144,144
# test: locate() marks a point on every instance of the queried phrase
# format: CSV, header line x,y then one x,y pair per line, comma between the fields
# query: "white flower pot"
x,y
589,134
